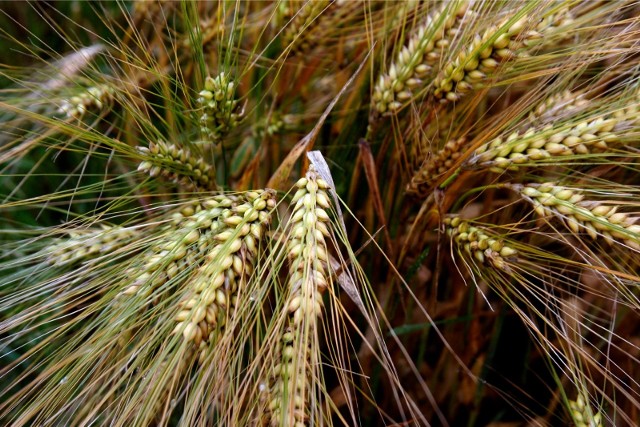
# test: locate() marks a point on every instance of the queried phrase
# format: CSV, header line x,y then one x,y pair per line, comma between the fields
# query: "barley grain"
x,y
439,164
583,414
228,262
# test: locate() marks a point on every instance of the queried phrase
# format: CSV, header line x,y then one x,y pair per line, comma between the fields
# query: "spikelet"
x,y
178,165
415,61
228,264
96,99
583,414
478,244
439,164
87,244
296,376
220,110
597,220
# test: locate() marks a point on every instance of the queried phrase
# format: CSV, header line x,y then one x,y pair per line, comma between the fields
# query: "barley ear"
x,y
479,245
598,220
229,262
221,112
583,414
297,378
178,165
96,98
435,167
415,61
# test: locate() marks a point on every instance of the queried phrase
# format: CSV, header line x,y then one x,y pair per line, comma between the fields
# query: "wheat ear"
x,y
297,375
178,165
596,219
479,244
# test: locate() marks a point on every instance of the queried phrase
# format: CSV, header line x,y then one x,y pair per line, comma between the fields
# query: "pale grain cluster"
x,y
560,105
598,220
228,263
95,98
415,61
435,167
473,65
296,375
180,246
177,165
479,244
583,414
88,244
221,112
585,137
303,23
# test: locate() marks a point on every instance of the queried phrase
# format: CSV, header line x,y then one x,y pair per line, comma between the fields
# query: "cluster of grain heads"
x,y
598,220
415,61
177,165
221,112
228,263
435,167
583,414
296,376
88,244
95,98
479,244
